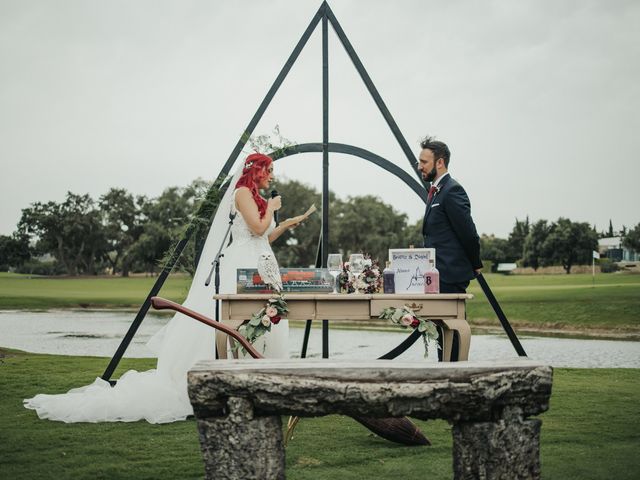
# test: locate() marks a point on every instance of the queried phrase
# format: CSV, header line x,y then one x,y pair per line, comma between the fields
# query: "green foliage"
x,y
298,247
39,267
71,231
274,144
569,243
122,222
406,318
632,239
366,224
494,249
14,251
608,266
534,253
359,224
516,240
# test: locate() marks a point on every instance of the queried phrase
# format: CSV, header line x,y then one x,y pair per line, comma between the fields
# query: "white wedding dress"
x,y
244,252
160,395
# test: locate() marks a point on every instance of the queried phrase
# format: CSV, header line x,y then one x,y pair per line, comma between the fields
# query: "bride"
x,y
160,395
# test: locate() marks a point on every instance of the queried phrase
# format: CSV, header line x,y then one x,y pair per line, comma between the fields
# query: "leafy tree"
x,y
121,218
534,254
299,247
14,251
71,231
413,235
632,239
163,220
494,249
174,214
367,224
570,243
516,240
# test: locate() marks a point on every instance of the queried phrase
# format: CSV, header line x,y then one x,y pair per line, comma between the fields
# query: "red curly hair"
x,y
255,169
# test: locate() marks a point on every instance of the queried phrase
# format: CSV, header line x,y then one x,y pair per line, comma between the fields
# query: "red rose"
x,y
275,320
414,323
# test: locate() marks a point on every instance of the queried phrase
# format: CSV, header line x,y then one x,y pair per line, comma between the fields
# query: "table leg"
x,y
325,338
461,326
305,339
223,340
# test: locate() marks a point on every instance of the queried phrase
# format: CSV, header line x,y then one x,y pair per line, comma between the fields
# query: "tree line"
x,y
120,233
543,243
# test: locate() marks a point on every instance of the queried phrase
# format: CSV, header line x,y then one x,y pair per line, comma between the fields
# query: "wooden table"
x,y
446,310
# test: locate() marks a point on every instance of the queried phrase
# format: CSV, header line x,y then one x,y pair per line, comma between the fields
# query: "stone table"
x,y
238,405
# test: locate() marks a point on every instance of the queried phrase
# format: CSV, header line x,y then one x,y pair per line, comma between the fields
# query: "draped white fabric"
x,y
160,395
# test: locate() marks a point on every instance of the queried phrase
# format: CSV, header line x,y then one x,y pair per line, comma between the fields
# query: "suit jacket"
x,y
449,228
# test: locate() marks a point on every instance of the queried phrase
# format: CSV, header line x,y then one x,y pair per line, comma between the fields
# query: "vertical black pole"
x,y
305,339
325,140
325,338
325,165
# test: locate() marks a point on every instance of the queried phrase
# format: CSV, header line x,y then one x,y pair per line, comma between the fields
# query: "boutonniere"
x,y
438,187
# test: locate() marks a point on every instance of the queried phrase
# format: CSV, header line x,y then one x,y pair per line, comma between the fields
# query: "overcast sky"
x,y
538,100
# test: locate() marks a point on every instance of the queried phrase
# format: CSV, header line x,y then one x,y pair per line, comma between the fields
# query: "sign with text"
x,y
409,265
308,280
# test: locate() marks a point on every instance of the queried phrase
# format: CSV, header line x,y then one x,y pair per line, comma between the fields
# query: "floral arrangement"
x,y
345,285
263,319
406,317
369,281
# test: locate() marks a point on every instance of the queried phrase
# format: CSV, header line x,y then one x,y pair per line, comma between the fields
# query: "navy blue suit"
x,y
449,228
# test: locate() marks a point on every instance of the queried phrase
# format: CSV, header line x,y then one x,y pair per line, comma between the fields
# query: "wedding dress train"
x,y
160,395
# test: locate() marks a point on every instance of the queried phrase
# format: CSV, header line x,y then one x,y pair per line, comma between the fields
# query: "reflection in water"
x,y
98,333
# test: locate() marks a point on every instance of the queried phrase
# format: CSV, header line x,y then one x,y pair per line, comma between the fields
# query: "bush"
x,y
608,266
36,267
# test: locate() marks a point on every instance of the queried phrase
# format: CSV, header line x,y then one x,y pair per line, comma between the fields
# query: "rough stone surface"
x,y
240,446
465,391
505,450
238,405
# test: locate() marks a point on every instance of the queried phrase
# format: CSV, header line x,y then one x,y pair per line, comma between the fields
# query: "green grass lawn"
x,y
538,301
557,301
33,292
590,432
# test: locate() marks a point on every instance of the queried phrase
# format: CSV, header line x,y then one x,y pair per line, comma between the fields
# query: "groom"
x,y
448,226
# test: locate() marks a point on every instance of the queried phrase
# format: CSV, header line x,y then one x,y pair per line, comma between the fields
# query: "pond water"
x,y
98,333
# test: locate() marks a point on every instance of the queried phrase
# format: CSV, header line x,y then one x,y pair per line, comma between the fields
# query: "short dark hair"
x,y
439,149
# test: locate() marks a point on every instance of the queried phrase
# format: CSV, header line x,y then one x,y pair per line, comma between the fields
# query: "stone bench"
x,y
238,405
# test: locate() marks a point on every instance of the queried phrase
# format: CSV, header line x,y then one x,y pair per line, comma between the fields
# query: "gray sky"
x,y
538,100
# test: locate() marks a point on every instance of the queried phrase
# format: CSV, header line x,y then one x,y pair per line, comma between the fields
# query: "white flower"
x,y
271,311
367,262
266,321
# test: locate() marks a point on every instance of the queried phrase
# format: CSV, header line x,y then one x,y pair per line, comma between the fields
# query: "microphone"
x,y
274,194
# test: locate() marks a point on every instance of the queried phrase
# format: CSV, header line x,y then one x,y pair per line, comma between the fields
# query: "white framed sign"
x,y
409,265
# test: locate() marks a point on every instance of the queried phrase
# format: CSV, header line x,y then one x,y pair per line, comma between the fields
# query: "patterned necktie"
x,y
432,190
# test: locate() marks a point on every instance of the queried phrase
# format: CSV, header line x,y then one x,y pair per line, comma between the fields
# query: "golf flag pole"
x,y
596,255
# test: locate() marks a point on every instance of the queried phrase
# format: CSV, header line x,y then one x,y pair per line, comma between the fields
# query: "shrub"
x,y
608,266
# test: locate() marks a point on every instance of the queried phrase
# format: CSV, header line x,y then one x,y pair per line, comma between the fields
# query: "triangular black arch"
x,y
326,15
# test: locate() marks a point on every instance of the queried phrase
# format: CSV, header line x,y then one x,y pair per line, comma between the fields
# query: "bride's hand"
x,y
296,221
274,203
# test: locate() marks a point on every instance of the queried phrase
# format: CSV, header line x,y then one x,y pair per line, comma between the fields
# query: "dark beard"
x,y
431,176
